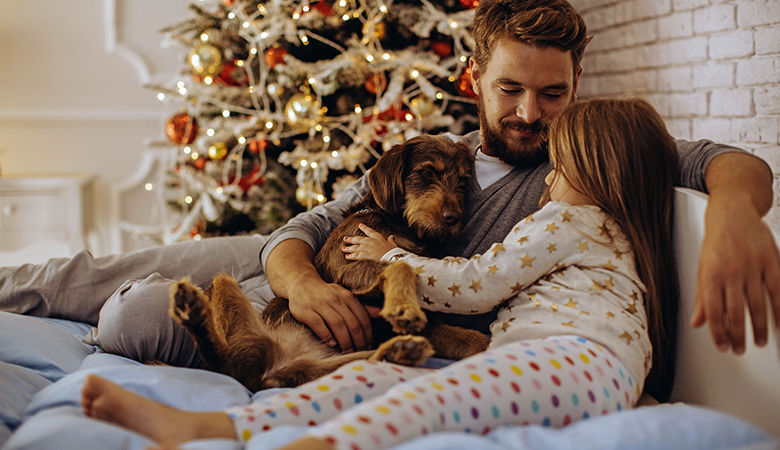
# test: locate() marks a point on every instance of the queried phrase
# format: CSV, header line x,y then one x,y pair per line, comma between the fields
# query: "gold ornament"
x,y
302,111
218,151
422,106
377,30
205,60
308,195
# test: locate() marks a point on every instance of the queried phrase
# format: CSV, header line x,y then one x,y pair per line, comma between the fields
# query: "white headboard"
x,y
746,386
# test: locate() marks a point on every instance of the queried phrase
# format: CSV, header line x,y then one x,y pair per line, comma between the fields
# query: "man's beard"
x,y
528,153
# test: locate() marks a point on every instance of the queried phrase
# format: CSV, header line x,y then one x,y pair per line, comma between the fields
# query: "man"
x,y
521,80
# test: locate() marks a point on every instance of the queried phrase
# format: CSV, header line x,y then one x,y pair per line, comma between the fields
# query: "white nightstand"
x,y
44,216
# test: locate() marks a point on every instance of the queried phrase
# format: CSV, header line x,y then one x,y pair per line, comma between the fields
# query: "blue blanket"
x,y
43,364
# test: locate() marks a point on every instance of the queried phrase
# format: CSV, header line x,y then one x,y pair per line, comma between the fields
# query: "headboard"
x,y
747,386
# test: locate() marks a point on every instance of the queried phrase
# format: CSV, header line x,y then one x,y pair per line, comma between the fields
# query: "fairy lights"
x,y
240,104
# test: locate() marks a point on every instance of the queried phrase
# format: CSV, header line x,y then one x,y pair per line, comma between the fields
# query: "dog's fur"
x,y
417,191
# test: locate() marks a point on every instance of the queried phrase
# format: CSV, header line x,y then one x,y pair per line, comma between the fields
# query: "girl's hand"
x,y
372,246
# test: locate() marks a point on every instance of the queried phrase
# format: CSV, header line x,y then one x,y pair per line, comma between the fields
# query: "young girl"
x,y
584,285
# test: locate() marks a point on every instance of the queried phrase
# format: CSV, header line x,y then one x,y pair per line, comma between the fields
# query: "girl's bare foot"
x,y
104,400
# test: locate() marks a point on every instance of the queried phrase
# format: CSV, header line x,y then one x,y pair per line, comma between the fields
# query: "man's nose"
x,y
528,109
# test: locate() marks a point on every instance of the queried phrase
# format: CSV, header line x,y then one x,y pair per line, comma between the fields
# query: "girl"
x,y
585,287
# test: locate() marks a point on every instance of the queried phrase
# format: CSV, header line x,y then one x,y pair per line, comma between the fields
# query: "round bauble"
x,y
218,151
463,84
206,60
308,195
181,128
302,111
422,106
274,56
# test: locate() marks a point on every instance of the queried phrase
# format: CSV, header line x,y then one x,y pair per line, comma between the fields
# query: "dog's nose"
x,y
451,216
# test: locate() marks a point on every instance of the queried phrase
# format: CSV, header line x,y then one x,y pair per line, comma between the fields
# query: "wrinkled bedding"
x,y
43,364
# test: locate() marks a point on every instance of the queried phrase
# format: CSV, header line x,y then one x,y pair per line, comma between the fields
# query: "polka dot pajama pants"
x,y
369,405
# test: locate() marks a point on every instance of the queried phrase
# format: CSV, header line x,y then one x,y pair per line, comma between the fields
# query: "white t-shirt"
x,y
489,169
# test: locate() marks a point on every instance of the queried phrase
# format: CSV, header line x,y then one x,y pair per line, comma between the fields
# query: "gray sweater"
x,y
490,213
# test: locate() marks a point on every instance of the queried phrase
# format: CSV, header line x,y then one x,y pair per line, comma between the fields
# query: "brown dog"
x,y
417,191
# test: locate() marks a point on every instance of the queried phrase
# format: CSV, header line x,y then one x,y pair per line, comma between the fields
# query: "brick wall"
x,y
711,67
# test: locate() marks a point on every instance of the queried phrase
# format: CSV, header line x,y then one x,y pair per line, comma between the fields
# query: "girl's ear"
x,y
386,178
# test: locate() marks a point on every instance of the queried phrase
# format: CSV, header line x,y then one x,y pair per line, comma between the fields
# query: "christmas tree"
x,y
284,103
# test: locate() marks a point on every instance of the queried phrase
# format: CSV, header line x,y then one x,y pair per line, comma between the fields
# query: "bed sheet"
x,y
43,364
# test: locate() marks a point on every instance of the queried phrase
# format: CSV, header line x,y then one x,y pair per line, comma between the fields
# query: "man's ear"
x,y
474,70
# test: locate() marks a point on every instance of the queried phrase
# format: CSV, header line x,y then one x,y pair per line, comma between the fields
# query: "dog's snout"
x,y
451,216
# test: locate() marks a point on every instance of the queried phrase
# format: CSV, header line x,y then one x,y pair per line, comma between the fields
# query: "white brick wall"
x,y
711,67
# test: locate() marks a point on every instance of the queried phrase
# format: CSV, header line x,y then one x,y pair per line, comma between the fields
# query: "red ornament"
x,y
232,75
199,163
463,84
441,48
274,56
181,128
324,8
251,179
376,82
228,2
257,145
469,4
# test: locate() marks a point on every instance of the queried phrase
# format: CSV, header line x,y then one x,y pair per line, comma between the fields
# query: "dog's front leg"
x,y
395,281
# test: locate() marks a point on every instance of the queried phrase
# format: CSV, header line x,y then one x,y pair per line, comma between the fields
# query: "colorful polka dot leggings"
x,y
370,405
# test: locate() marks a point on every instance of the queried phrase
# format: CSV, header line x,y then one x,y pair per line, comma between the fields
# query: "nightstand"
x,y
44,216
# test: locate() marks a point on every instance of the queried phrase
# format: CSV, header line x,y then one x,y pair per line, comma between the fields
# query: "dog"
x,y
417,192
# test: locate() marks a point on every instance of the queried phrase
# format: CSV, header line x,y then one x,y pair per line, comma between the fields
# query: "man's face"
x,y
519,91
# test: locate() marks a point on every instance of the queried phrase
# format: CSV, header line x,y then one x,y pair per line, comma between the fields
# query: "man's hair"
x,y
619,153
540,23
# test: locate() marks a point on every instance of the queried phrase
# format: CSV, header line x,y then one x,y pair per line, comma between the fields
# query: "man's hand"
x,y
739,264
331,311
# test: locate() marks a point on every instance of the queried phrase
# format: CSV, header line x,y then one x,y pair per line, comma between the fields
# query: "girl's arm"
x,y
533,249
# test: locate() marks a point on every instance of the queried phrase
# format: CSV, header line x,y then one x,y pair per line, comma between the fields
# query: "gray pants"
x,y
126,295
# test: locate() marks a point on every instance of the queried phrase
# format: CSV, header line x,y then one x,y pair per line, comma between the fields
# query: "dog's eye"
x,y
427,173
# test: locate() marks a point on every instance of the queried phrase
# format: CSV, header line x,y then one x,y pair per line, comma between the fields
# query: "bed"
x,y
720,401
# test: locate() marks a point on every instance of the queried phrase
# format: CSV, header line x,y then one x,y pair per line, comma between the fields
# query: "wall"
x,y
711,67
71,94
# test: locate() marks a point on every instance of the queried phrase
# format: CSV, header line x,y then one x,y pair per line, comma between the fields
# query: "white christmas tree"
x,y
284,103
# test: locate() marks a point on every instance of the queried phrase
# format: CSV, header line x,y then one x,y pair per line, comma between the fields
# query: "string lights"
x,y
320,87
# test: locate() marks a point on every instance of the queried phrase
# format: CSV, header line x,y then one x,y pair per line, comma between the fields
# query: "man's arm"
x,y
331,311
739,262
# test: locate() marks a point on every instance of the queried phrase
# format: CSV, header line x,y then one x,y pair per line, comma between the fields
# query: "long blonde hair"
x,y
618,153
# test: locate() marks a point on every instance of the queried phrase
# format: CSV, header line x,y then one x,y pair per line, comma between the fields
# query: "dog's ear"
x,y
386,178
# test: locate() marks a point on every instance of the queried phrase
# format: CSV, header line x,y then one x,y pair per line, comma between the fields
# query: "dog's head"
x,y
426,179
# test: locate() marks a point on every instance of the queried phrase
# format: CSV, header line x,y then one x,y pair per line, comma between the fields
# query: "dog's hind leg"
x,y
233,312
190,308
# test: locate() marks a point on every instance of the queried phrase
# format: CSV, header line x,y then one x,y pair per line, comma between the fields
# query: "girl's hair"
x,y
539,23
618,153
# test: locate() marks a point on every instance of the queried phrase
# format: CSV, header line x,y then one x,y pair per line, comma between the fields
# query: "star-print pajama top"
x,y
565,270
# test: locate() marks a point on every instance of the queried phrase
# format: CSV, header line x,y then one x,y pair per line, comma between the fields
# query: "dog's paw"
x,y
406,350
187,303
405,318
